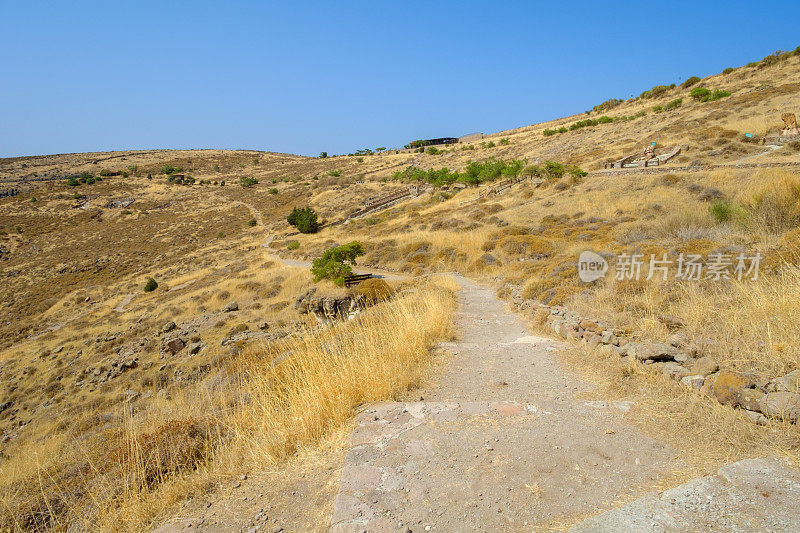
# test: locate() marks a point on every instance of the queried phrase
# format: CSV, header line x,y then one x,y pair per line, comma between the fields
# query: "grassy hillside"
x,y
100,423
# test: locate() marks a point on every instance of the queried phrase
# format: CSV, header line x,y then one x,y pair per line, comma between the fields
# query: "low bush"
x,y
246,181
293,245
658,90
273,191
304,219
608,104
716,95
335,173
150,285
694,80
699,93
548,132
728,70
253,222
723,210
504,141
674,104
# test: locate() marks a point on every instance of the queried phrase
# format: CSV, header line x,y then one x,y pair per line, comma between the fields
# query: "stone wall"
x,y
676,358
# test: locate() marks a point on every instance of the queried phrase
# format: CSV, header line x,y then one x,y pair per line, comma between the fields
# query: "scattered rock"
x,y
230,307
175,345
169,326
672,322
704,366
195,347
785,405
693,382
788,383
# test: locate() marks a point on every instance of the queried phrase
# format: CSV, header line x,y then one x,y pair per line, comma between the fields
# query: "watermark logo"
x,y
591,266
686,267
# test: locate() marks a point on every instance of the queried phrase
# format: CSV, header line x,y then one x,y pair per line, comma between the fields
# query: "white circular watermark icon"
x,y
591,266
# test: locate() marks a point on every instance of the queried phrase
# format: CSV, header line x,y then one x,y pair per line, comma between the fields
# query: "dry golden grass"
x,y
275,400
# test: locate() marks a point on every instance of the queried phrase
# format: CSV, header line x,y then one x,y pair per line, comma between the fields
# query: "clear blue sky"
x,y
303,77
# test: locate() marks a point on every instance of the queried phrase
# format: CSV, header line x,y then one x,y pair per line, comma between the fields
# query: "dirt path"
x,y
497,441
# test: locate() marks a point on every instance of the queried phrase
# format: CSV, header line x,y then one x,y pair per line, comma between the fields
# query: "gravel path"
x,y
498,441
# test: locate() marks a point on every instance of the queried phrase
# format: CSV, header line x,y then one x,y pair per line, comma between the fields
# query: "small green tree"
x,y
323,155
335,263
513,168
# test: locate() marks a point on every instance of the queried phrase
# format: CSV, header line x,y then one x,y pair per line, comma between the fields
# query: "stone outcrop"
x,y
329,308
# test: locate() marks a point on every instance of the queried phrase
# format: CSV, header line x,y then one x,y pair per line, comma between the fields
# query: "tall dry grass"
x,y
746,325
265,405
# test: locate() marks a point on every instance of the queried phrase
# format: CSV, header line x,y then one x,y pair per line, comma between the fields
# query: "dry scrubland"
x,y
87,437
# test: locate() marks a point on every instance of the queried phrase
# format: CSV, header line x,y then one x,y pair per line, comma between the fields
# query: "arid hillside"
x,y
118,403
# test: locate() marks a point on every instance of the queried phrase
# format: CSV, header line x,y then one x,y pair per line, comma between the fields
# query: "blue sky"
x,y
303,77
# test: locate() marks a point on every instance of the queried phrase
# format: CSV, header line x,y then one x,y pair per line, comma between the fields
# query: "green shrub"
x,y
33,199
548,132
73,182
490,144
674,104
323,155
169,169
655,91
728,70
577,172
335,263
563,129
698,93
716,95
246,181
583,124
335,173
432,150
690,81
252,222
293,245
553,170
304,219
658,109
608,104
221,235
504,141
605,120
722,210
150,285
273,191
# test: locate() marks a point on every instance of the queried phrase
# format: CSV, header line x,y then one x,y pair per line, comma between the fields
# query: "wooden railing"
x,y
355,279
